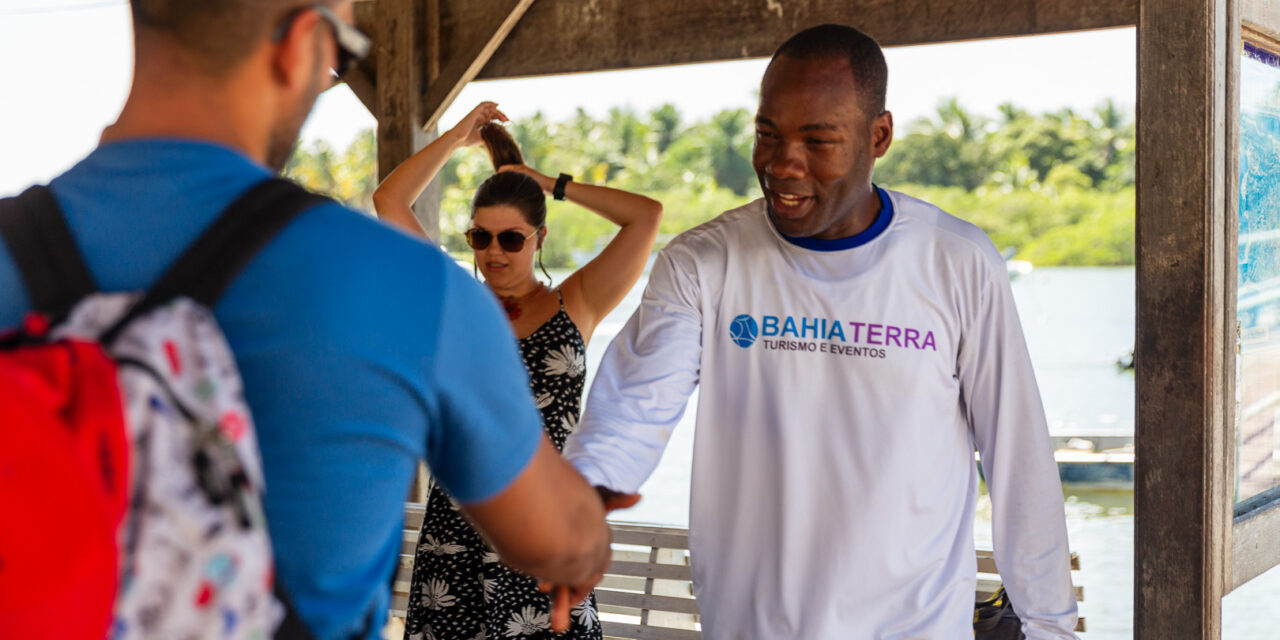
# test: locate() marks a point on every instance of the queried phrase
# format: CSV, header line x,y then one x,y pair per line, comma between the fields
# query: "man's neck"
x,y
865,212
880,219
169,104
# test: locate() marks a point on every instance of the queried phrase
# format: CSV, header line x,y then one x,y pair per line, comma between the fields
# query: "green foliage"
x,y
350,176
1057,187
958,149
696,171
1074,226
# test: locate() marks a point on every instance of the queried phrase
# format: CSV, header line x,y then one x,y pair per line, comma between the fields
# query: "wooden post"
x,y
402,33
1182,488
400,84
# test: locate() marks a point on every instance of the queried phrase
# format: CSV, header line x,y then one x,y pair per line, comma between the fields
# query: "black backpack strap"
x,y
44,251
214,260
292,627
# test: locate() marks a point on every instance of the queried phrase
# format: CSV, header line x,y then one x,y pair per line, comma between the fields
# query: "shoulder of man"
x,y
713,235
358,255
357,285
957,234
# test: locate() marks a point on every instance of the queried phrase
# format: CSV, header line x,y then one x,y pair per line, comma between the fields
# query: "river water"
x,y
1078,322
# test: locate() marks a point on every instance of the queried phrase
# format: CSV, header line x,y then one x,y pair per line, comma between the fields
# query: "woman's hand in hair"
x,y
546,182
467,131
394,198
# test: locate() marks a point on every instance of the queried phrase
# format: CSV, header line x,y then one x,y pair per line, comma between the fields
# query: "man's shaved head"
x,y
215,35
866,60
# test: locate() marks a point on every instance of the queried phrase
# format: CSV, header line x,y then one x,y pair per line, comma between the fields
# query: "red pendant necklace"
x,y
512,305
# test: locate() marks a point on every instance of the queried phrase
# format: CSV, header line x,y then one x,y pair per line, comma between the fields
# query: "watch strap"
x,y
558,191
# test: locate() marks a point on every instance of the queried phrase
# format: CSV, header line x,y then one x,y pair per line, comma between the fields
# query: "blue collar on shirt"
x,y
856,240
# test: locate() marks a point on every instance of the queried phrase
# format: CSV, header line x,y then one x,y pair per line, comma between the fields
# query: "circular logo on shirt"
x,y
744,331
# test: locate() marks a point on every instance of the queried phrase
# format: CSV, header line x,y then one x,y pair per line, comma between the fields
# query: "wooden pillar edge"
x,y
1182,526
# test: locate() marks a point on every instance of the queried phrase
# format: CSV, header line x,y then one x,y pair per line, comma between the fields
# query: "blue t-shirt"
x,y
362,350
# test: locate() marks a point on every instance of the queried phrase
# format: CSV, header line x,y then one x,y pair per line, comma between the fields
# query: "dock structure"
x,y
1194,542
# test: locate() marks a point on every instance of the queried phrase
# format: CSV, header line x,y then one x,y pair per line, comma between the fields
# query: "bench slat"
x,y
631,555
660,537
611,613
987,561
621,583
624,631
987,588
646,570
413,513
642,601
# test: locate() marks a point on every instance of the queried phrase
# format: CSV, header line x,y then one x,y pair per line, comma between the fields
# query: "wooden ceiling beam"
x,y
464,60
360,81
570,36
451,55
567,36
489,39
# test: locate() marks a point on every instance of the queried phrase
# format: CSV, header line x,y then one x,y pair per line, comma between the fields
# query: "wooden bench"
x,y
648,591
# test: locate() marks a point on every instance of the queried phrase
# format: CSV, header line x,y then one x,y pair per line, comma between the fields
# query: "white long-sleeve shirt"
x,y
833,482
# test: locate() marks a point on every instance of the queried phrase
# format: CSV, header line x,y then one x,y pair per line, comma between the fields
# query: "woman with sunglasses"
x,y
459,589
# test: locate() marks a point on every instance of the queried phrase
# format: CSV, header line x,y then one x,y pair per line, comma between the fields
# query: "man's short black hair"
x,y
870,73
216,34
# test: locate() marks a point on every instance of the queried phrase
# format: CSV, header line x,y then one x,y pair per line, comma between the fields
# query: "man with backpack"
x,y
361,349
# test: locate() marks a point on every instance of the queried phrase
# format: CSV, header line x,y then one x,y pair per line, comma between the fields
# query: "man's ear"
x,y
881,133
542,235
293,58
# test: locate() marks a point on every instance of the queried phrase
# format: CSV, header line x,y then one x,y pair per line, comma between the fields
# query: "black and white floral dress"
x,y
460,590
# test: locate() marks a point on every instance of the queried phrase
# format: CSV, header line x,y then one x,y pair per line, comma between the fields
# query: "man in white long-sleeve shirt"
x,y
852,345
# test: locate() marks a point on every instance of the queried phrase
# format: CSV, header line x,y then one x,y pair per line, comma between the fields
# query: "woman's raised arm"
x,y
595,289
394,198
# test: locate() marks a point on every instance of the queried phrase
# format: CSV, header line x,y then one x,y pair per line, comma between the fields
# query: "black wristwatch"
x,y
558,192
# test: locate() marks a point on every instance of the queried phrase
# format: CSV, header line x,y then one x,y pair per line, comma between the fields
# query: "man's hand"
x,y
613,500
548,523
563,597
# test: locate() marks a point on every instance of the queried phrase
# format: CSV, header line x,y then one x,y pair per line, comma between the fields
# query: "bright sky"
x,y
69,64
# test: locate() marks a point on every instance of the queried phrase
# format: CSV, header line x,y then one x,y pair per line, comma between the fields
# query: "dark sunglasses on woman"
x,y
510,241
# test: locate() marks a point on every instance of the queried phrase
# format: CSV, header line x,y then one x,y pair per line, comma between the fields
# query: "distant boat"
x,y
1101,470
1016,268
1081,464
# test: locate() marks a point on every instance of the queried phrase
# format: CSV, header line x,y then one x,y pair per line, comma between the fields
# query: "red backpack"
x,y
130,480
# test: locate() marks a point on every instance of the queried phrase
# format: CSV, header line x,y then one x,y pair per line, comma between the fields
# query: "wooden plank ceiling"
x,y
515,38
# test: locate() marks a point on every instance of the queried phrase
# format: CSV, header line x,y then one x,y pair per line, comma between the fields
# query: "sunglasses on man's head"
x,y
510,241
353,44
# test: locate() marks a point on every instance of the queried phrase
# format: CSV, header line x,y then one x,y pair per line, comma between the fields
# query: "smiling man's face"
x,y
815,147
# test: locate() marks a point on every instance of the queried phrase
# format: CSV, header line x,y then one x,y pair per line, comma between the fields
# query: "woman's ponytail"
x,y
501,146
